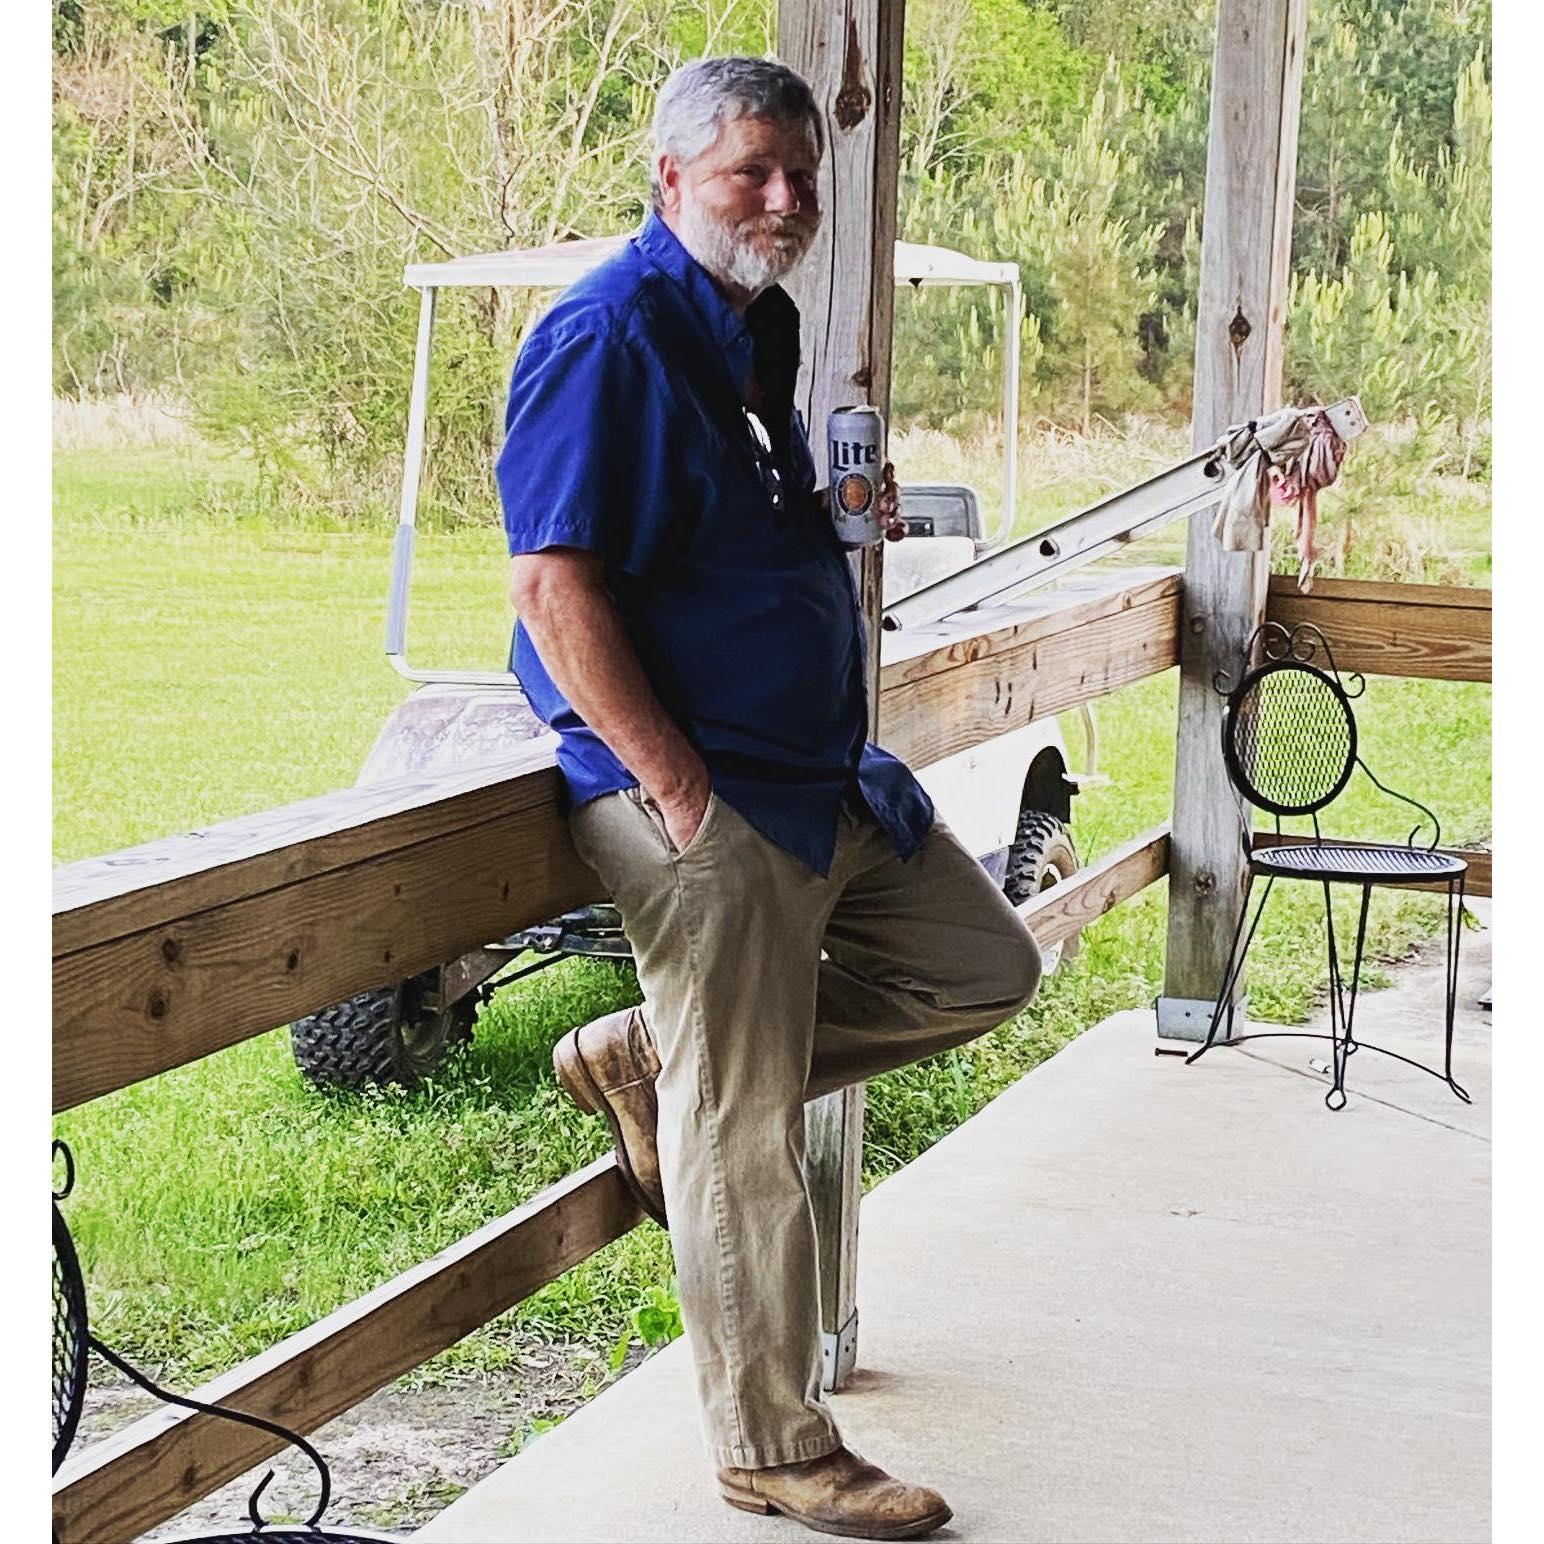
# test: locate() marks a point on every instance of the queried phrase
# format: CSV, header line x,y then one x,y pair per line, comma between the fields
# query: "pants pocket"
x,y
656,818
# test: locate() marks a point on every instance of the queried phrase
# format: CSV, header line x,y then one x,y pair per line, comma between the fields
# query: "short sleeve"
x,y
583,460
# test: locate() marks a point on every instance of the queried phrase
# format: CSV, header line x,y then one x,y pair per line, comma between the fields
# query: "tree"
x,y
1100,270
1406,320
346,138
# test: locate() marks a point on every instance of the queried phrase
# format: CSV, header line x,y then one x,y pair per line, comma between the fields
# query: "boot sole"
x,y
585,1092
749,1501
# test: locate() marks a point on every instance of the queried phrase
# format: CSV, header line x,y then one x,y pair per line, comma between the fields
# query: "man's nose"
x,y
781,194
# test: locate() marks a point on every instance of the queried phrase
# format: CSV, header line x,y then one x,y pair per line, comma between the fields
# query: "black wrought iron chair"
x,y
1289,742
72,1340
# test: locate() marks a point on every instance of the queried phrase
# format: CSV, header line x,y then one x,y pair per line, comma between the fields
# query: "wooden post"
x,y
851,55
1246,240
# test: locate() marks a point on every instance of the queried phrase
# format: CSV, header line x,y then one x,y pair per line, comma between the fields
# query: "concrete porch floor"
x,y
1134,1300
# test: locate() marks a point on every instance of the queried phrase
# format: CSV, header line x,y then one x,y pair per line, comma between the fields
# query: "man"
x,y
689,626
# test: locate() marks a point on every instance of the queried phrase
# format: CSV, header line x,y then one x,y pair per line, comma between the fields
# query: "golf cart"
x,y
1009,799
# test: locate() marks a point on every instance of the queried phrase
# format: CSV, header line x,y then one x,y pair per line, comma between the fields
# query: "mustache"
x,y
797,225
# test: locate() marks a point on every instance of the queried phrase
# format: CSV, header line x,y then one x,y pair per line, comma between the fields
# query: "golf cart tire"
x,y
379,1037
1042,855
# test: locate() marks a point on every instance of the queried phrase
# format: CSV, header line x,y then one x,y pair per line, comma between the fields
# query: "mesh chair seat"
x,y
1357,865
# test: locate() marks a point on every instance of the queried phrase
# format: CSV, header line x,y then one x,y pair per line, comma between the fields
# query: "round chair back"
x,y
69,1340
1289,738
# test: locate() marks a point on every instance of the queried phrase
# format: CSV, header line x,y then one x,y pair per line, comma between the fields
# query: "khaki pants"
x,y
749,1021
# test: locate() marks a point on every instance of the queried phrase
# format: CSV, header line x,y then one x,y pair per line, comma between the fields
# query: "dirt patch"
x,y
398,1458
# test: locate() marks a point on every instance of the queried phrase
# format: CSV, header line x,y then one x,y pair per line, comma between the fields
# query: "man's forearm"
x,y
579,635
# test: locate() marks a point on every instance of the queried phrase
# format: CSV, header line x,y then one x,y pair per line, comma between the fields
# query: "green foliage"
x,y
655,1322
984,80
1100,271
1345,128
1157,41
1377,73
283,171
1089,279
1412,337
233,208
534,1429
1367,328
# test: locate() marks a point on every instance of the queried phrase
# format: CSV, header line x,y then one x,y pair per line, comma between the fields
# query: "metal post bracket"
x,y
839,1354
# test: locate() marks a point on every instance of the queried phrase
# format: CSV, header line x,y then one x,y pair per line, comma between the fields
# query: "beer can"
x,y
855,437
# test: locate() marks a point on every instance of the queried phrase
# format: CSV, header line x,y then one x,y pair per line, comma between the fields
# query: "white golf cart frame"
x,y
565,263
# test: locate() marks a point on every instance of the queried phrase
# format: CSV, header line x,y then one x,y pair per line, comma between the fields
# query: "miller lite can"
x,y
856,437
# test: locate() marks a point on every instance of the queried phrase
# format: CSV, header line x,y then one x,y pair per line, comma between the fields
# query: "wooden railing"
x,y
168,952
1438,631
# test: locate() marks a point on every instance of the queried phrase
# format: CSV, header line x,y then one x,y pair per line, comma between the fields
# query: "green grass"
x,y
209,662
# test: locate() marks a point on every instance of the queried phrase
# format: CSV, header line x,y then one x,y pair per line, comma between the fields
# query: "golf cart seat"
x,y
915,562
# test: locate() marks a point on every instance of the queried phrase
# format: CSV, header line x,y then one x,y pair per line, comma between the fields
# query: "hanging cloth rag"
x,y
1290,455
1315,467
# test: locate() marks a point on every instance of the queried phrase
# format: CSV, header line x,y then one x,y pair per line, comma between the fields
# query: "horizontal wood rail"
x,y
1477,882
150,1471
163,881
176,949
1441,632
1070,906
958,682
170,951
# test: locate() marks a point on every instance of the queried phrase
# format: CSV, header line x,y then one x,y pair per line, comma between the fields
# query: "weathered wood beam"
x,y
120,1487
1070,906
984,672
189,965
1246,238
1439,632
850,52
172,950
142,887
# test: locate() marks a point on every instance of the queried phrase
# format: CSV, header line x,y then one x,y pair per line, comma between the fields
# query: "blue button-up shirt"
x,y
627,436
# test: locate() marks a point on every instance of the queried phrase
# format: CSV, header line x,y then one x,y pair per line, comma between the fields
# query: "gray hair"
x,y
699,98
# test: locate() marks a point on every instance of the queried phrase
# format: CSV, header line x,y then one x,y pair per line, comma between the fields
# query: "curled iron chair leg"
x,y
1455,917
1342,1011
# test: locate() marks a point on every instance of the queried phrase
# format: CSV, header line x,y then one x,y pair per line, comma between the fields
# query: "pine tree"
x,y
1100,270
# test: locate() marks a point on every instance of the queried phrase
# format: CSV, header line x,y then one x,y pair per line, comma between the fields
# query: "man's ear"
x,y
667,177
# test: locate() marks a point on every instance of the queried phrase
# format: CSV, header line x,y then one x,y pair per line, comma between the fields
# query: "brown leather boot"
x,y
608,1067
839,1493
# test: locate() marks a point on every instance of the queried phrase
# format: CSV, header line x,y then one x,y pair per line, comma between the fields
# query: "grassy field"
x,y
1396,512
211,661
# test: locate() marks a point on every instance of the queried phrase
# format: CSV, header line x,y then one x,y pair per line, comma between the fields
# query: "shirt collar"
x,y
770,318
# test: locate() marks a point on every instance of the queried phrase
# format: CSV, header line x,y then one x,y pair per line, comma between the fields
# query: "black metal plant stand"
x,y
1289,742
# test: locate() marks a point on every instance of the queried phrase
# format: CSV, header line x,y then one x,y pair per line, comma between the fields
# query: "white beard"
x,y
737,262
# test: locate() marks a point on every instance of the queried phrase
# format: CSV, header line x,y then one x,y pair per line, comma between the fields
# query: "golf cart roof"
x,y
564,262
